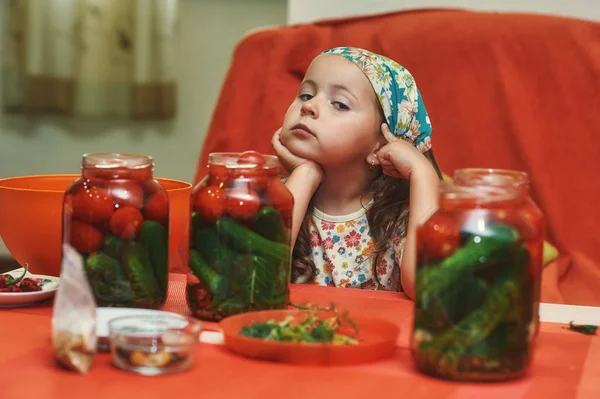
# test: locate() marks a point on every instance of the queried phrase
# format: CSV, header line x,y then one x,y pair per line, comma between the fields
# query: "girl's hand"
x,y
291,161
304,180
399,158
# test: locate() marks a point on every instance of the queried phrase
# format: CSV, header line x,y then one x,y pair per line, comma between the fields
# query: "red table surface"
x,y
566,364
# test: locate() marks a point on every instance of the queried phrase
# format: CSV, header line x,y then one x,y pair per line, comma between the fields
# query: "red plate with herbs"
x,y
359,339
21,288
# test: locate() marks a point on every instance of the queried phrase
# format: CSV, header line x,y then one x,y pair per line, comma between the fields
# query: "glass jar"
x,y
240,256
528,208
117,217
474,281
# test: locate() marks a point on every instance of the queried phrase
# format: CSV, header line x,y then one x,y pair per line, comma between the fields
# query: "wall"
x,y
209,31
309,10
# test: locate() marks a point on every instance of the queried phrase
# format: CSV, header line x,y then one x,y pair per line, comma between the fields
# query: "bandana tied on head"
x,y
397,93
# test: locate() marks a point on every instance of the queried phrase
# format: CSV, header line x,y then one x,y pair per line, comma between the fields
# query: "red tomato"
x,y
438,237
127,193
209,202
243,204
252,157
84,237
157,208
93,205
279,197
219,175
257,179
126,222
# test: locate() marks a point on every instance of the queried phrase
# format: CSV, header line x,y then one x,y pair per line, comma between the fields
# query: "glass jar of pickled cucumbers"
x,y
116,215
475,282
240,254
529,209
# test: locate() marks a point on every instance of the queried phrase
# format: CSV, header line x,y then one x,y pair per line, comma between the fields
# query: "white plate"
x,y
558,313
104,315
17,299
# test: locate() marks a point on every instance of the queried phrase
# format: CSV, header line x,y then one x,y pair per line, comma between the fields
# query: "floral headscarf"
x,y
397,92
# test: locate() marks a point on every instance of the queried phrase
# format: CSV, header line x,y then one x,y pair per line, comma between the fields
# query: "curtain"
x,y
90,57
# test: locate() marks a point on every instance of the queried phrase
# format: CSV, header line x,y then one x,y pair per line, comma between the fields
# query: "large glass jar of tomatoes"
x,y
529,209
475,284
117,217
240,253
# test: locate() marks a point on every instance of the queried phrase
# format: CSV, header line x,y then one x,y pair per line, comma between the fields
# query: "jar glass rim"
x,y
110,160
492,176
480,192
230,160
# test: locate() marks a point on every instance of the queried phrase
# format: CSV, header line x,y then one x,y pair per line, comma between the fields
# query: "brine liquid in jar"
x,y
117,217
475,285
528,208
240,243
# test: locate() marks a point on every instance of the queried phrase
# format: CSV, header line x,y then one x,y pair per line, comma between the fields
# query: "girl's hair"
x,y
390,199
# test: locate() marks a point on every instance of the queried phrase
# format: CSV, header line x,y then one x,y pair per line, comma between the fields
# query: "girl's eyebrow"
x,y
308,82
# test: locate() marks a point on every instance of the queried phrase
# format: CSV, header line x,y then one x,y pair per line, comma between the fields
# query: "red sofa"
x,y
511,91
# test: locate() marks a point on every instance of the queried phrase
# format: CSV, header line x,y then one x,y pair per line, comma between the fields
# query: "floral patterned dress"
x,y
342,250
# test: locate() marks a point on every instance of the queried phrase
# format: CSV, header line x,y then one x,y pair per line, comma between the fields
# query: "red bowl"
x,y
31,220
377,340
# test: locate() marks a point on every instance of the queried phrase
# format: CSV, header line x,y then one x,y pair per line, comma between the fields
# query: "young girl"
x,y
356,142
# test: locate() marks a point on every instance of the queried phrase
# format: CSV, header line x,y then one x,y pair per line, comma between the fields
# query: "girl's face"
x,y
335,119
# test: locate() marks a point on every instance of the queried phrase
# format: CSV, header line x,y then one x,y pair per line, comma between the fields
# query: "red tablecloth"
x,y
566,364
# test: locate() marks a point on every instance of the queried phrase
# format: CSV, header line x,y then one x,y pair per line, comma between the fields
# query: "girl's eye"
x,y
340,106
305,97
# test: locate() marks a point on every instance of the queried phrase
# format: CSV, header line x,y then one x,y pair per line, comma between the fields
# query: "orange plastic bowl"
x,y
31,220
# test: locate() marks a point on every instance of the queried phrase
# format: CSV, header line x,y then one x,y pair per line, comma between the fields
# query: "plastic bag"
x,y
74,316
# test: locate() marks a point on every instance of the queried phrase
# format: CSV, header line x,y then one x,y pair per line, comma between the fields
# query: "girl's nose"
x,y
309,108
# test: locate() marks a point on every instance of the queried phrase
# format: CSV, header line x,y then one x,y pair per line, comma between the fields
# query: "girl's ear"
x,y
372,159
379,143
